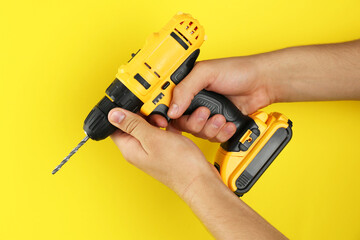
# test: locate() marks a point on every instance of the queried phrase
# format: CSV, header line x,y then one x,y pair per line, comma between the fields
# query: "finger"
x,y
212,127
193,123
133,125
157,120
225,133
185,91
129,146
171,128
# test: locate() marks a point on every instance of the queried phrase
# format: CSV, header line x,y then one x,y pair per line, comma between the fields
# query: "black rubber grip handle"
x,y
218,104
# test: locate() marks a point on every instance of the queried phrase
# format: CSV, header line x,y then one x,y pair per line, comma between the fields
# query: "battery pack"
x,y
240,170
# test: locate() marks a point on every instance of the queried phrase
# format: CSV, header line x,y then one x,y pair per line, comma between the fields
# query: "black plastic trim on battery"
x,y
179,40
142,81
280,141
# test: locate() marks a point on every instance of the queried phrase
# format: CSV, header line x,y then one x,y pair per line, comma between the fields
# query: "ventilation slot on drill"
x,y
157,74
179,40
147,65
187,27
192,32
182,36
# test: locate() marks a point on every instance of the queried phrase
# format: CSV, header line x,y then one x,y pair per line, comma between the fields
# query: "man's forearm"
x,y
313,73
224,214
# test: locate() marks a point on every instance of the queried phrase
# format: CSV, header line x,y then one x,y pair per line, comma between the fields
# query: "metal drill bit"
x,y
70,155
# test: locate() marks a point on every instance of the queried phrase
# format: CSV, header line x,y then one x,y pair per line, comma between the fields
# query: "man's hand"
x,y
239,79
308,73
178,163
166,155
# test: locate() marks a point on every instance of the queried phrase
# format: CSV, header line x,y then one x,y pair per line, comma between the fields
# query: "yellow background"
x,y
57,58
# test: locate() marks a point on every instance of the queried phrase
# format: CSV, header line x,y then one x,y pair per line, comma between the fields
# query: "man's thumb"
x,y
130,123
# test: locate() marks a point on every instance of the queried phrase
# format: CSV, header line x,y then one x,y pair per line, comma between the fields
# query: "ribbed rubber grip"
x,y
218,104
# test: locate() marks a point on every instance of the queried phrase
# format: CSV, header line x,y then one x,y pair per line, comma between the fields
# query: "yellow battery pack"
x,y
240,170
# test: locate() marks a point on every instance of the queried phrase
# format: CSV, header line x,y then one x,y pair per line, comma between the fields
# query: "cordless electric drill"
x,y
146,84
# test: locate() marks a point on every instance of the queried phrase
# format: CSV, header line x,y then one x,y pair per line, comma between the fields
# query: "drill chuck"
x,y
96,124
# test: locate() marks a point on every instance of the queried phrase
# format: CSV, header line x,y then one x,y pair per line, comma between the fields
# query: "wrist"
x,y
273,70
202,187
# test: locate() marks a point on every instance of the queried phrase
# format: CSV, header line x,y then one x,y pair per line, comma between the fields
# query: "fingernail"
x,y
202,116
217,123
117,116
229,130
174,108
